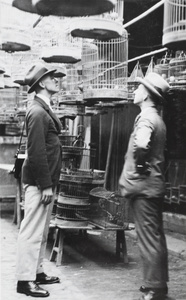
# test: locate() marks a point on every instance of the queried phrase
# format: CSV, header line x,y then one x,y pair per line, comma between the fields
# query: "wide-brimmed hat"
x,y
155,84
35,74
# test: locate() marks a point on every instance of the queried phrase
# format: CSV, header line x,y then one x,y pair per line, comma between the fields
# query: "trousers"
x,y
147,214
33,234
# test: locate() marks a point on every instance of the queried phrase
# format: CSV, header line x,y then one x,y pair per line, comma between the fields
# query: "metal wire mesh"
x,y
104,68
174,24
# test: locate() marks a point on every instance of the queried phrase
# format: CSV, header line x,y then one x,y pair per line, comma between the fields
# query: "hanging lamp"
x,y
68,8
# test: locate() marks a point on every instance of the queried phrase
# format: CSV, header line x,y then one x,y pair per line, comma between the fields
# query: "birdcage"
x,y
162,66
132,83
58,46
64,7
69,88
177,70
108,209
104,69
73,199
21,63
104,26
15,35
174,27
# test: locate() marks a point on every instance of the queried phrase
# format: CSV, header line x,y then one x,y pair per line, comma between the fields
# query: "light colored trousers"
x,y
33,234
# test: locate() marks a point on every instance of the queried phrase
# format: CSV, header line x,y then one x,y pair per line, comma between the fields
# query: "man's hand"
x,y
46,196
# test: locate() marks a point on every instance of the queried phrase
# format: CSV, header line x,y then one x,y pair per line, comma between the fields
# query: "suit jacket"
x,y
44,155
143,171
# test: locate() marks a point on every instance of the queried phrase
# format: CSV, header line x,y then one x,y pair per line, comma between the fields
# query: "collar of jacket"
x,y
50,112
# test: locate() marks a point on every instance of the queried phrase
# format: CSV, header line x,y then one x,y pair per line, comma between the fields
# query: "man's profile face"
x,y
50,83
139,94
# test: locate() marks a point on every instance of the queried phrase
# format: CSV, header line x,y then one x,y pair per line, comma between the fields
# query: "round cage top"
x,y
96,29
68,8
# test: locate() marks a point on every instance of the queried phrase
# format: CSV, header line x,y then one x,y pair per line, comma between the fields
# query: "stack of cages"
x,y
78,177
9,98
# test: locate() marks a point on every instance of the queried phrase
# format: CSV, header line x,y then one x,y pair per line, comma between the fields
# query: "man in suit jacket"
x,y
142,180
40,176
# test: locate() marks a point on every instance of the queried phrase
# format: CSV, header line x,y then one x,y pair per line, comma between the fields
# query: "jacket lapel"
x,y
53,115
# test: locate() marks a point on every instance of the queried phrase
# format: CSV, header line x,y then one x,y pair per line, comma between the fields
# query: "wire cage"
x,y
108,209
21,63
174,27
14,36
56,45
104,69
177,70
104,26
70,85
162,66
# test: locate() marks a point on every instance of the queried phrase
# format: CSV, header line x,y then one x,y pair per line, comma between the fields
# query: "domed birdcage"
x,y
56,44
65,7
104,69
162,66
177,70
15,35
22,62
104,27
174,27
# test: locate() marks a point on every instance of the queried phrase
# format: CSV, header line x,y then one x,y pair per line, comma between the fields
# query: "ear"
x,y
41,84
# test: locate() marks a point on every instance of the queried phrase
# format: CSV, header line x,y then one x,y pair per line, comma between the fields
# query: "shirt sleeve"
x,y
142,143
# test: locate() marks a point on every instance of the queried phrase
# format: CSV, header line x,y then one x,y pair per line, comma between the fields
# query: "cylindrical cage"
x,y
104,69
174,29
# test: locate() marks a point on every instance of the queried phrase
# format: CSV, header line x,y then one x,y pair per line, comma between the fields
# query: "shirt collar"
x,y
45,99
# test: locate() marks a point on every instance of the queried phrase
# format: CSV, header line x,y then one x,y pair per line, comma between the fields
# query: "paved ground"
x,y
90,270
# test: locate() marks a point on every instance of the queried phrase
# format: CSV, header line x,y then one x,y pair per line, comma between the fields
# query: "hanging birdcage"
x,y
132,83
162,66
65,7
177,70
174,28
15,34
103,27
56,44
104,69
21,63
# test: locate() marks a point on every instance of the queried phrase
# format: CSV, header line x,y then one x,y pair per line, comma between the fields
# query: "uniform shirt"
x,y
143,171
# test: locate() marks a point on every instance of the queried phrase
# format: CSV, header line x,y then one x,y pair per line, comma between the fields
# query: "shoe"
x,y
30,288
42,278
153,295
163,290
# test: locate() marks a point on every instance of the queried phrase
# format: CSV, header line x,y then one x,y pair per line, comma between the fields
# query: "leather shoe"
x,y
42,278
163,290
30,288
153,295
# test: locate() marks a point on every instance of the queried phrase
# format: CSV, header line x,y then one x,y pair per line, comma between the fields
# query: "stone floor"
x,y
90,270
